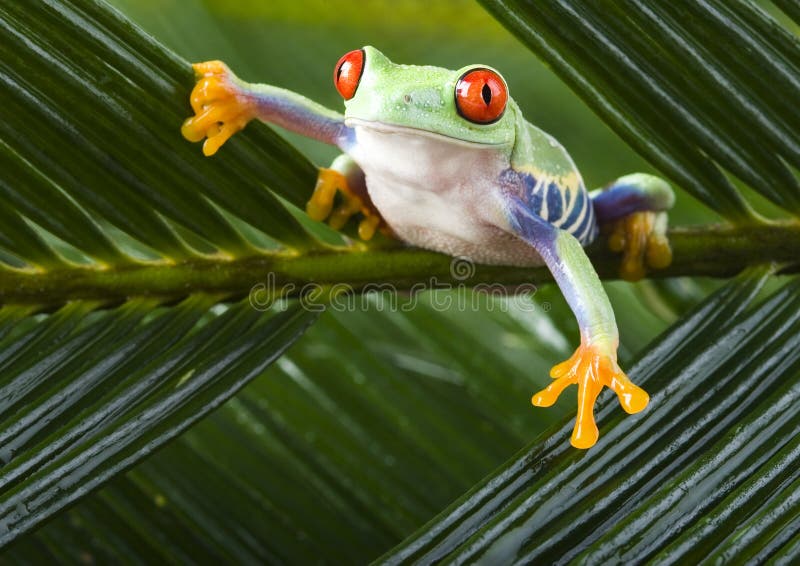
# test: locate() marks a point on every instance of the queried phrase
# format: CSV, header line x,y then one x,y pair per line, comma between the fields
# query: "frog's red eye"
x,y
481,96
347,73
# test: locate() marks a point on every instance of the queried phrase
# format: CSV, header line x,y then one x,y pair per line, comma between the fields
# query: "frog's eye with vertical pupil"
x,y
481,96
347,73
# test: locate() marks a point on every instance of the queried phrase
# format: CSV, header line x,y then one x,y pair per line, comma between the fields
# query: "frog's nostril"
x,y
407,99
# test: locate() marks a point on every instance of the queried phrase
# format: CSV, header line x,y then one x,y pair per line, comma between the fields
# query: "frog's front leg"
x,y
633,210
594,363
346,178
223,104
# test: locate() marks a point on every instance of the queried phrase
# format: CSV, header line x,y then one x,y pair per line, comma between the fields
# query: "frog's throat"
x,y
407,130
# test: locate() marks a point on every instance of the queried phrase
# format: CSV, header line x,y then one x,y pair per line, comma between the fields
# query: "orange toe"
x,y
320,205
642,240
221,107
632,397
591,368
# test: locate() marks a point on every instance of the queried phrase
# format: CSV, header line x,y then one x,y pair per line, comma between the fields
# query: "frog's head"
x,y
469,105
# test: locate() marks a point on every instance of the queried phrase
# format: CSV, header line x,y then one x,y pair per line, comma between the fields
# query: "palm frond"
x,y
105,201
124,256
685,102
361,433
325,449
717,458
81,77
790,7
84,397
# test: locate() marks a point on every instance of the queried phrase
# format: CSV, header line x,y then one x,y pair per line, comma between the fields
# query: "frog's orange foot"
x,y
221,106
320,206
591,367
641,237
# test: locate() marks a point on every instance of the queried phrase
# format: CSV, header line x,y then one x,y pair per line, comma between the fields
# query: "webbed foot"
x,y
320,206
591,367
221,107
641,236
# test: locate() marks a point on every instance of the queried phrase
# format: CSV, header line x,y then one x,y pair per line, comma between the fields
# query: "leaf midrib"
x,y
715,250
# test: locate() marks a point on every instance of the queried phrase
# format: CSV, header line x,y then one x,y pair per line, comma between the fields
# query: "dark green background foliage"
x,y
148,412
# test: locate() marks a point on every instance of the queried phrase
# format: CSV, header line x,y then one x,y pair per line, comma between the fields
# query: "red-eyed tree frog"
x,y
445,160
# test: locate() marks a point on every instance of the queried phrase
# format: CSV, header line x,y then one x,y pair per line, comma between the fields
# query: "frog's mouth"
x,y
385,128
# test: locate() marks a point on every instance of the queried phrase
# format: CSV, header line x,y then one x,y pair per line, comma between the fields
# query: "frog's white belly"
x,y
439,194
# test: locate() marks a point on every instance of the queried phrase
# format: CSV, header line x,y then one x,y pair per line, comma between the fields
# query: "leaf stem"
x,y
712,250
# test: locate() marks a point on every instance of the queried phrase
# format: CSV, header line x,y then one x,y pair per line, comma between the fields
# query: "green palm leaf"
x,y
375,449
350,468
85,397
161,231
124,257
674,488
681,100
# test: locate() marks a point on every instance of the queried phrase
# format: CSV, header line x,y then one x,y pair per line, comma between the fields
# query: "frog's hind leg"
x,y
594,364
633,211
345,177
